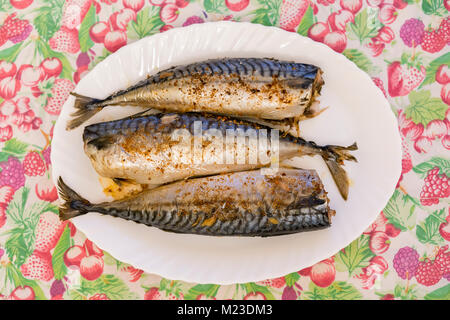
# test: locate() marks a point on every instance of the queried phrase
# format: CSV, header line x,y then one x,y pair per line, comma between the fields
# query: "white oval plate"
x,y
357,111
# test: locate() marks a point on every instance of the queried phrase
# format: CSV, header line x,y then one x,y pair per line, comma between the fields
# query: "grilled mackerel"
x,y
233,204
279,92
161,148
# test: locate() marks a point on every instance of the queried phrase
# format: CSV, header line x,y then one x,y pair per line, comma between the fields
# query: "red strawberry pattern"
x,y
403,78
14,27
428,273
433,42
2,215
276,283
292,12
65,40
38,266
134,274
3,36
73,12
444,30
379,83
48,231
407,164
59,94
401,45
152,294
33,164
442,261
436,186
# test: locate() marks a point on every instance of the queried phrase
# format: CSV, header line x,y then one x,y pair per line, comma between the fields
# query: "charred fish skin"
x,y
265,68
235,204
248,87
141,148
166,123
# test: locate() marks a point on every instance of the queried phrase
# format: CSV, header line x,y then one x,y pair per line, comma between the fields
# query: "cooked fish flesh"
x,y
232,204
280,92
161,148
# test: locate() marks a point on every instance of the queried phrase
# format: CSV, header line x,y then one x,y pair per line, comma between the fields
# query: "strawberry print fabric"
x,y
47,46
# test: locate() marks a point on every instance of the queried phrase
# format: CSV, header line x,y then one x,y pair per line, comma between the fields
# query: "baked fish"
x,y
162,148
278,91
233,204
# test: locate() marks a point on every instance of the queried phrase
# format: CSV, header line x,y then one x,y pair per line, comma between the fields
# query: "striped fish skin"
x,y
247,87
234,204
142,149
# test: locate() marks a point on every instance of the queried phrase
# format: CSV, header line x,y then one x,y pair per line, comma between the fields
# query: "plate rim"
x,y
226,24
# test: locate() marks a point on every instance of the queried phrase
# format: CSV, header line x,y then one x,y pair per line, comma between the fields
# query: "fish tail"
x,y
86,108
314,109
342,153
334,157
74,205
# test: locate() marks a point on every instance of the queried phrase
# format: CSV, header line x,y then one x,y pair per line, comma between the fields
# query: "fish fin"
x,y
73,205
86,108
313,110
334,158
342,153
297,83
339,176
171,231
147,112
101,142
282,125
120,181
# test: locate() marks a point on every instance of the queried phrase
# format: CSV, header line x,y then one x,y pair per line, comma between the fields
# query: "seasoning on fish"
x,y
280,92
161,148
233,204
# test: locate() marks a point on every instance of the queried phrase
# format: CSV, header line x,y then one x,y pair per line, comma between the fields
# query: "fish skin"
x,y
141,149
277,91
233,204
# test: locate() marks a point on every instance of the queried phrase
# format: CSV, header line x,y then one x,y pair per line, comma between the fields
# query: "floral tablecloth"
x,y
47,46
